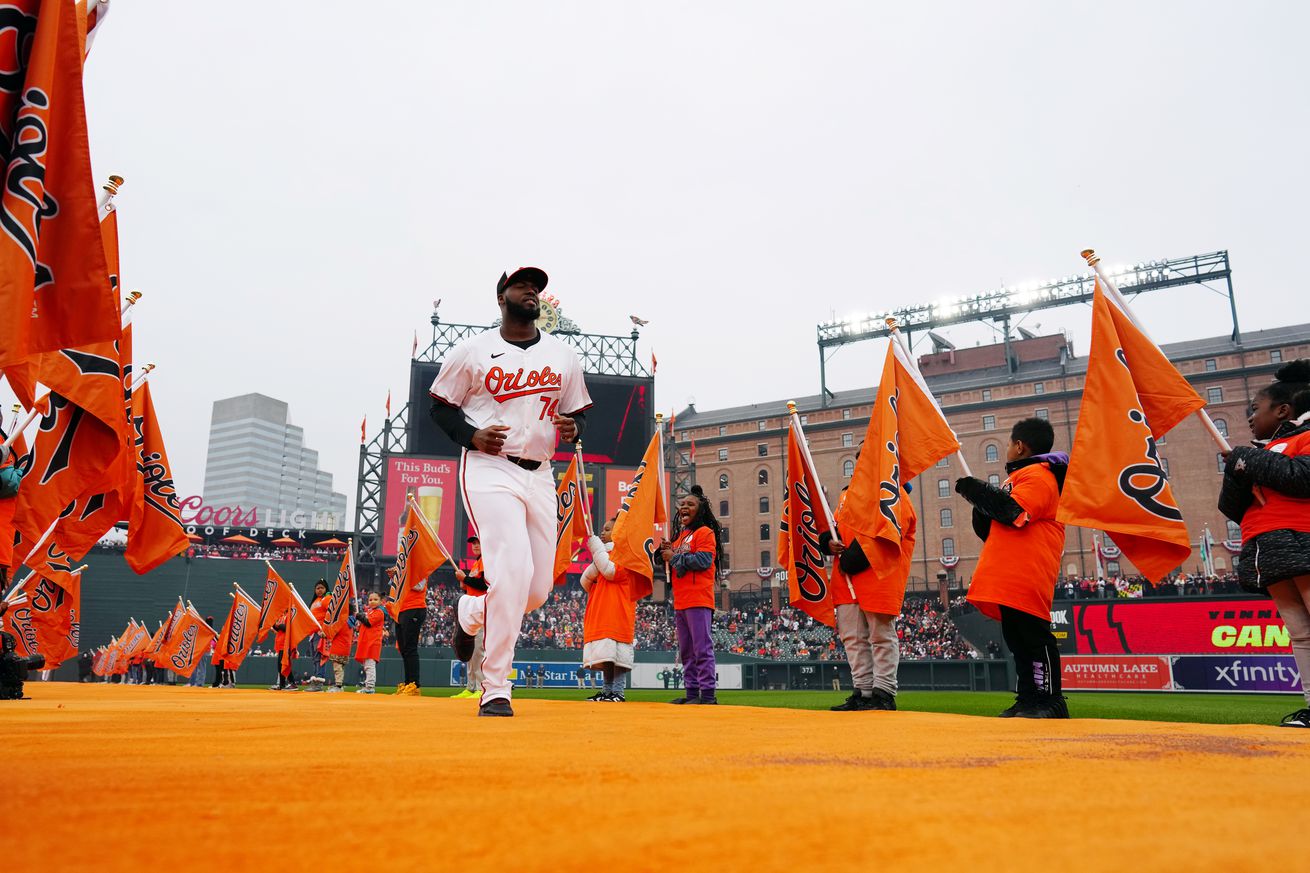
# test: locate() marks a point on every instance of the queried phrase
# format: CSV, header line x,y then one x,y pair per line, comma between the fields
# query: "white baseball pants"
x,y
514,512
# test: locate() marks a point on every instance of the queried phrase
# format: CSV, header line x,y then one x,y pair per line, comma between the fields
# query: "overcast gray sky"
x,y
303,180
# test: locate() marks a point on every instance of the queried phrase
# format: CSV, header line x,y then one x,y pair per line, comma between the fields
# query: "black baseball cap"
x,y
474,539
535,275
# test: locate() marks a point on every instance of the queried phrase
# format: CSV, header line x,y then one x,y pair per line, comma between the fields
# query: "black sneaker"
x,y
616,697
1300,718
883,700
496,708
1048,706
1021,703
462,641
682,700
702,701
854,703
599,695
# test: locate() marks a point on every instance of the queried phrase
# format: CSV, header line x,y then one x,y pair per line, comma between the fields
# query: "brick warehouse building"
x,y
739,452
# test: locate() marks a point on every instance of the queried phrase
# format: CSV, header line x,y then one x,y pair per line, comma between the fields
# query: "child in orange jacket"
x,y
371,621
609,623
694,557
1020,562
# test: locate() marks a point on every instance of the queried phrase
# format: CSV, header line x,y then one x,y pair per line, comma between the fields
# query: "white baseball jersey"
x,y
496,382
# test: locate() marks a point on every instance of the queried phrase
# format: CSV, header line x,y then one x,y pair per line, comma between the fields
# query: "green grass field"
x,y
1199,708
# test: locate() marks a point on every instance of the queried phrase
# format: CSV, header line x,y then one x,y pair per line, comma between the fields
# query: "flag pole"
x,y
668,518
423,519
1094,261
899,339
129,301
39,543
140,380
799,433
20,426
105,203
582,484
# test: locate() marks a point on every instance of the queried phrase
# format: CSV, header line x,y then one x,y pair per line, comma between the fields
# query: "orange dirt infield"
x,y
111,778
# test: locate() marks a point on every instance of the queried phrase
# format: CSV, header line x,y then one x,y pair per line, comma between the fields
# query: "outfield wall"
x,y
1233,674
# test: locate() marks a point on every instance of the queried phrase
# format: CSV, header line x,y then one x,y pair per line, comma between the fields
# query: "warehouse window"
x,y
943,487
723,481
725,535
992,453
1214,395
762,449
1039,387
764,534
948,547
846,440
989,422
1276,356
762,478
723,454
1043,413
987,395
848,468
723,430
1221,425
764,504
1211,365
993,480
723,509
948,518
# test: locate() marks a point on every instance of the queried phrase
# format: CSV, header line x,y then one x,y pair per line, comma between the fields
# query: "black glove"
x,y
853,560
477,583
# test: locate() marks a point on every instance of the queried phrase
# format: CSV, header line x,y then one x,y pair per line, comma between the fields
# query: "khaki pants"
x,y
338,669
872,649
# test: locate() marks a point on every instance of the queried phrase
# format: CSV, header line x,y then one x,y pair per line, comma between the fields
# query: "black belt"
x,y
523,462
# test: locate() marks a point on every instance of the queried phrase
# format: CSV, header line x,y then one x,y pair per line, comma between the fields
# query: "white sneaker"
x,y
331,689
363,690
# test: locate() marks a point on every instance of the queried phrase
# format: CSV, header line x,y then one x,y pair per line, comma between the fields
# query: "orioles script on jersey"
x,y
506,386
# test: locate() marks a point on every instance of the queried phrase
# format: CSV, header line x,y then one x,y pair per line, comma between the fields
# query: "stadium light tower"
x,y
1004,303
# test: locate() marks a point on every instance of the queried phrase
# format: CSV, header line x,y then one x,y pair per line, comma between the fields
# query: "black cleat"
x,y
682,700
1298,719
496,708
854,703
883,700
1021,702
462,641
702,701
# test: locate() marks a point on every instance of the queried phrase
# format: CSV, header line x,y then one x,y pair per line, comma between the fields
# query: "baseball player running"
x,y
507,396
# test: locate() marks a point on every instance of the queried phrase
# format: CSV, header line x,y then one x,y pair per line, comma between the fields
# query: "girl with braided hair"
x,y
1275,555
693,558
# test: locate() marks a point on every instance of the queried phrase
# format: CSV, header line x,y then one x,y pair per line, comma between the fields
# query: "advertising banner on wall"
x,y
670,676
1169,627
1114,673
433,482
1251,673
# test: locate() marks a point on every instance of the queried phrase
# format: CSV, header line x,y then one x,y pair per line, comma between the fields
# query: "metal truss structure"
x,y
1004,303
601,355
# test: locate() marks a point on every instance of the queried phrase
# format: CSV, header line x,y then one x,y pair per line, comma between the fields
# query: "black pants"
x,y
408,624
1036,655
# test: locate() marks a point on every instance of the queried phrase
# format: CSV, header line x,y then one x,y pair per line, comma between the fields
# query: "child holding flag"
x,y
1275,554
693,558
1020,562
609,624
368,650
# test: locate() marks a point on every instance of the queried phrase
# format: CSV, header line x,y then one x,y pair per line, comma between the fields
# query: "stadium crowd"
x,y
925,631
1183,585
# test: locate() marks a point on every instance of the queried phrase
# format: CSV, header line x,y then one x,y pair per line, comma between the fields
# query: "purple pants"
x,y
696,648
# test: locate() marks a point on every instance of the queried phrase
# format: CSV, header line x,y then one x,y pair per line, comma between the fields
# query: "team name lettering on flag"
x,y
570,520
155,531
799,530
238,632
417,558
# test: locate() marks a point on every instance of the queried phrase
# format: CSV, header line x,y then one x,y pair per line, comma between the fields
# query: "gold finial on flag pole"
x,y
1091,257
112,185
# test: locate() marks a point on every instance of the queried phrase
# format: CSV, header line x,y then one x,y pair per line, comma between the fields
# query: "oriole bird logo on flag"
x,y
1115,482
417,558
641,518
907,433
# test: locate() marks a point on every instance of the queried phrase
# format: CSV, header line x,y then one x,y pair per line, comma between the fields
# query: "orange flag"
x,y
56,616
641,520
798,542
300,625
1115,482
163,641
54,284
238,633
50,562
105,499
570,520
18,621
82,435
907,434
191,640
343,594
156,640
275,600
420,556
154,532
